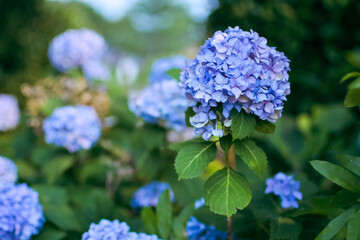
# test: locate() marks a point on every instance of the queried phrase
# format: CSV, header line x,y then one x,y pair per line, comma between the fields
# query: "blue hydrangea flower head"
x,y
196,230
163,103
8,171
161,67
286,187
73,127
114,230
235,69
21,214
106,229
9,112
148,195
75,48
141,236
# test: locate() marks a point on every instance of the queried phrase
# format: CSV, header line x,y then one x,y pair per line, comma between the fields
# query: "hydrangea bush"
x,y
9,112
73,127
21,214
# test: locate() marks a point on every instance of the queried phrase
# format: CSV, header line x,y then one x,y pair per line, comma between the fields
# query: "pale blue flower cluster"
x,y
196,230
161,67
9,112
73,127
114,230
286,187
148,195
8,171
235,69
21,214
79,48
163,103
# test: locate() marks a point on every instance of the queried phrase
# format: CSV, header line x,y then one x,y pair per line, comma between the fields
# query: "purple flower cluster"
x,y
21,214
8,171
73,127
196,230
114,230
163,103
161,67
235,69
286,187
82,48
148,195
9,112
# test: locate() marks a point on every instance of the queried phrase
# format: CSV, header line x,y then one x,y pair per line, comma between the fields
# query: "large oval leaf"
x,y
193,159
226,191
252,155
242,125
335,225
338,175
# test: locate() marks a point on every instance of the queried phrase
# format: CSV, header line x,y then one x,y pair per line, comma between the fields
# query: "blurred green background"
x,y
320,37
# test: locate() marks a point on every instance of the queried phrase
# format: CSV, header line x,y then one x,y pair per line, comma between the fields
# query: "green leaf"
x,y
192,160
265,127
149,218
226,142
186,213
243,125
26,171
98,205
50,233
352,98
164,214
56,167
63,217
337,175
179,229
174,73
353,227
341,199
335,225
51,195
351,163
226,191
354,84
178,146
350,75
285,228
252,155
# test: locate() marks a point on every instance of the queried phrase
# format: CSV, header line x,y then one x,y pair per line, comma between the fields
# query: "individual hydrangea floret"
x,y
237,70
9,112
8,171
161,67
73,127
114,230
148,195
199,203
286,187
163,103
21,214
77,48
196,230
